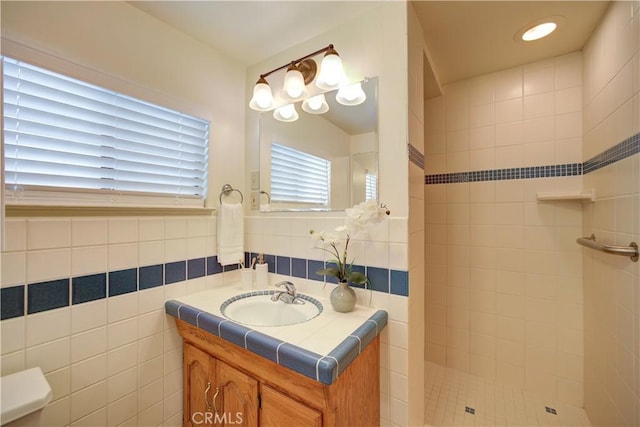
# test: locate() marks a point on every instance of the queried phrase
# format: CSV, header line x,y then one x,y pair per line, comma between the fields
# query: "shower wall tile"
x,y
610,95
496,258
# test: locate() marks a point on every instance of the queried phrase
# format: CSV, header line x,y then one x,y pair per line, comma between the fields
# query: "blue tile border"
x,y
321,368
150,276
620,151
123,281
98,286
11,302
46,296
88,288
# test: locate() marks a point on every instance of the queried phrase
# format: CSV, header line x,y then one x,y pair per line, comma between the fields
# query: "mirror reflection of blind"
x,y
299,177
61,133
370,185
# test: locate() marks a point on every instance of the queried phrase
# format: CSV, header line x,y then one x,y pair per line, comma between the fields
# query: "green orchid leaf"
x,y
357,278
331,271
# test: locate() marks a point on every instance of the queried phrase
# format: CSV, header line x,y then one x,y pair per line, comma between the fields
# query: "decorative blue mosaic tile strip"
x,y
570,169
416,157
624,149
324,369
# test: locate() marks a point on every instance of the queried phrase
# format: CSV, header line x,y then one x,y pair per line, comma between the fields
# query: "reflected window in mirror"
x,y
299,178
345,136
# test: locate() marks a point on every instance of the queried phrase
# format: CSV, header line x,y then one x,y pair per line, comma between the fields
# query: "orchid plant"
x,y
336,243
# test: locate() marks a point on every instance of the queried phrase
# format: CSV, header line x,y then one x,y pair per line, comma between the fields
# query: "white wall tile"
x,y
122,256
88,232
12,334
88,260
50,356
122,384
47,265
89,372
14,270
88,344
121,359
121,333
48,326
88,400
122,307
48,233
151,229
96,418
60,382
88,315
15,234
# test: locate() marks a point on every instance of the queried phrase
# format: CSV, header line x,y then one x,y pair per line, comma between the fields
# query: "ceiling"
x,y
464,38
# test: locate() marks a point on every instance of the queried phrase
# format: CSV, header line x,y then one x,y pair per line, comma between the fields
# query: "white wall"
x,y
118,359
611,93
369,46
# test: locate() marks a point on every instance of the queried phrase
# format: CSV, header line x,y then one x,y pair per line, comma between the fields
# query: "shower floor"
x,y
455,398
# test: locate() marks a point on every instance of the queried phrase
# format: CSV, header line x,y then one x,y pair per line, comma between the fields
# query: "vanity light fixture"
x,y
286,113
300,73
351,95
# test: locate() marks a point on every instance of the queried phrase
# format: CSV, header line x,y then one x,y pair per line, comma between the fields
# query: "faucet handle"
x,y
291,288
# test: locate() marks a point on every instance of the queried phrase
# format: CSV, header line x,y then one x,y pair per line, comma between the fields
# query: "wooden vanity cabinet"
x,y
254,391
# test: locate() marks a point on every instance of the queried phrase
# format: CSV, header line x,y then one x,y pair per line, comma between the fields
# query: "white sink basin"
x,y
257,309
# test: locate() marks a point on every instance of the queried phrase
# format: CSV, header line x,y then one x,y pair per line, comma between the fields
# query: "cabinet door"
x,y
237,400
199,386
277,409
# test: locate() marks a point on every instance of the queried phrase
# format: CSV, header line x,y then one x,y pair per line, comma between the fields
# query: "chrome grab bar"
x,y
630,251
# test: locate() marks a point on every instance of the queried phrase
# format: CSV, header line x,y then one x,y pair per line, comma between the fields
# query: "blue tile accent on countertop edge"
x,y
324,369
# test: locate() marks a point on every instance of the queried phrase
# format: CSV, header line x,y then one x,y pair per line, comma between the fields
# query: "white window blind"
x,y
64,134
370,186
299,177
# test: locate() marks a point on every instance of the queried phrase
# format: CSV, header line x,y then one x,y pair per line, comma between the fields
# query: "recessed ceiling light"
x,y
539,28
539,31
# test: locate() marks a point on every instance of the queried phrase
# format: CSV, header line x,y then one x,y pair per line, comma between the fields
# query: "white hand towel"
x,y
230,233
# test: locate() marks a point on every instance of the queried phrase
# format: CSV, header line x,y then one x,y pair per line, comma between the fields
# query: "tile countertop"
x,y
320,348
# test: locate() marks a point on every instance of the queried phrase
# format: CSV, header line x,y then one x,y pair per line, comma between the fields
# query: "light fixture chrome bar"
x,y
296,61
630,251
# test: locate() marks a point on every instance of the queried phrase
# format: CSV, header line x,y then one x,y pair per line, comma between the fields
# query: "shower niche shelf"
x,y
567,196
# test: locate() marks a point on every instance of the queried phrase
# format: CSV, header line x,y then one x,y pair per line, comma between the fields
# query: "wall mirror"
x,y
321,162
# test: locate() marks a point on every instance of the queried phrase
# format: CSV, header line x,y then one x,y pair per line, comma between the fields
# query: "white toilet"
x,y
23,396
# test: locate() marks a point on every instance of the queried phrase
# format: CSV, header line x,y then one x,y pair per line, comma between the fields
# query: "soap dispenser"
x,y
262,273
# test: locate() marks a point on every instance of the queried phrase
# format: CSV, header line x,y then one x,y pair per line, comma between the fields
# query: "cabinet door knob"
x,y
206,396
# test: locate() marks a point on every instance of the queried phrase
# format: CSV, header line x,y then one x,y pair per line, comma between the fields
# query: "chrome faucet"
x,y
289,295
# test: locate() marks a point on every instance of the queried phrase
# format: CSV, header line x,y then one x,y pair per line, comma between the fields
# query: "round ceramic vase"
x,y
343,298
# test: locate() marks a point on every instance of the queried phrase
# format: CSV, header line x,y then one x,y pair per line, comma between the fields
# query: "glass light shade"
x,y
351,95
539,31
316,104
294,83
262,99
286,113
331,75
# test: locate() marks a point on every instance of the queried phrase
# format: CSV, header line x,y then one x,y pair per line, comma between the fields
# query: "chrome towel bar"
x,y
630,251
